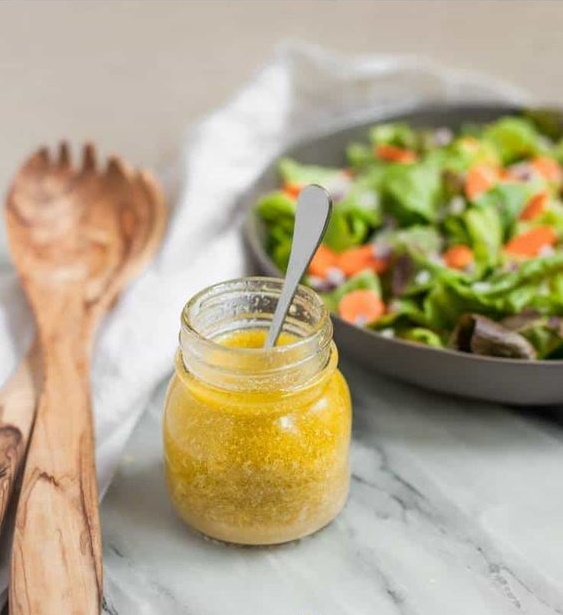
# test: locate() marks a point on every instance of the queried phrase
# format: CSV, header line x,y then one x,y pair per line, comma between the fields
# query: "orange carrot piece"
x,y
354,260
548,168
349,172
508,175
535,206
458,257
322,261
392,153
531,242
480,178
292,190
361,307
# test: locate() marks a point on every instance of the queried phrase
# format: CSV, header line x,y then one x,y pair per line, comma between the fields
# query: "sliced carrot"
x,y
480,178
458,257
292,190
323,260
535,206
392,153
548,168
348,172
508,175
354,260
361,307
531,242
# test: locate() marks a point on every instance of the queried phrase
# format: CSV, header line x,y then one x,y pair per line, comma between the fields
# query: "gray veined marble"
x,y
456,508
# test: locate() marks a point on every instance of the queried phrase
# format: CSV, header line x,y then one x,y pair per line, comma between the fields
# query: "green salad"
x,y
450,239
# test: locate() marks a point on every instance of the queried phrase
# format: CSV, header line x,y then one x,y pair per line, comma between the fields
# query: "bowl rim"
x,y
252,239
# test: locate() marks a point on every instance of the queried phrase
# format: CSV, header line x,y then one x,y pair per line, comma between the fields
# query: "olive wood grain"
x,y
76,236
18,400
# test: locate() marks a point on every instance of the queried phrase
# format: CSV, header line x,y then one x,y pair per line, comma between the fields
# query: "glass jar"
x,y
256,441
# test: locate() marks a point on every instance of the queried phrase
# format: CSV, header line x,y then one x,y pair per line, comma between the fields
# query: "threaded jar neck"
x,y
247,304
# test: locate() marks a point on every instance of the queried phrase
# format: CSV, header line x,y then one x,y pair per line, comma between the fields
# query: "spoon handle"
x,y
313,212
56,556
18,401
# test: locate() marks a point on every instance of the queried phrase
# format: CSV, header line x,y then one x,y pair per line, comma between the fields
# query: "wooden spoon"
x,y
76,236
18,403
19,395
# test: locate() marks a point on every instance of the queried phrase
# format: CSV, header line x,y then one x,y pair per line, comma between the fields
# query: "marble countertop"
x,y
456,507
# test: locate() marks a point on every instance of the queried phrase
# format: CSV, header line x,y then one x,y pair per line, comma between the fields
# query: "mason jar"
x,y
256,441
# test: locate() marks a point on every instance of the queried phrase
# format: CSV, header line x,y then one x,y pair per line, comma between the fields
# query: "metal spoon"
x,y
311,219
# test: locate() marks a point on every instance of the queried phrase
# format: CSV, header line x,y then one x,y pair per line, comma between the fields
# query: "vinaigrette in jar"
x,y
256,441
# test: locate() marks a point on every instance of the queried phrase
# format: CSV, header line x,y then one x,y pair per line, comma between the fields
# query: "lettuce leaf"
x,y
280,254
545,338
349,226
421,335
557,151
502,294
394,133
514,138
553,217
356,216
359,155
412,192
544,332
277,208
295,173
443,306
530,271
455,230
508,199
460,155
278,214
485,232
416,240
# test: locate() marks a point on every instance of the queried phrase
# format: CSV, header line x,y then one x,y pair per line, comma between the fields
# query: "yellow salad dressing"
x,y
257,465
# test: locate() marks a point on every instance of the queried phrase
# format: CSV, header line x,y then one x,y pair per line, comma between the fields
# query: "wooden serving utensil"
x,y
76,236
19,395
18,403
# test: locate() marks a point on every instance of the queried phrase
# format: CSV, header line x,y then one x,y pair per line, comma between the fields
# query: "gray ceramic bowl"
x,y
502,380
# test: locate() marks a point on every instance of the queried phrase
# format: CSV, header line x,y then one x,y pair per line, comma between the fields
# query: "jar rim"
x,y
317,330
244,304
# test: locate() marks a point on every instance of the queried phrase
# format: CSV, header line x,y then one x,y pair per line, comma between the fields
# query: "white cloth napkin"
x,y
301,90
